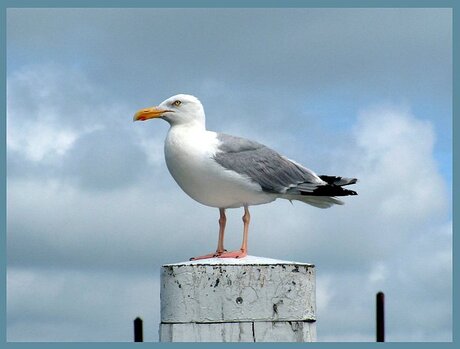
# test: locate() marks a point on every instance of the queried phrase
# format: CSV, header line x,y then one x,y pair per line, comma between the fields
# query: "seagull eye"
x,y
177,103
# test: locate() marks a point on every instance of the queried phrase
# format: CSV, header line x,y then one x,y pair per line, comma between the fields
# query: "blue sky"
x,y
353,92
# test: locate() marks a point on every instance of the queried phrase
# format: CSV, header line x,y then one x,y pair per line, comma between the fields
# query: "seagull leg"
x,y
222,222
243,251
220,242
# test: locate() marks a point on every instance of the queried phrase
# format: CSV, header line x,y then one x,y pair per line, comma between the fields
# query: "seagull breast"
x,y
190,157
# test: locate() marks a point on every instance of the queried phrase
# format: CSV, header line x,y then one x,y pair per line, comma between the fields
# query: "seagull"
x,y
224,171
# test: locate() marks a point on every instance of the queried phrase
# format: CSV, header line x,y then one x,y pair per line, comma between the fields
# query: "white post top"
x,y
248,260
251,289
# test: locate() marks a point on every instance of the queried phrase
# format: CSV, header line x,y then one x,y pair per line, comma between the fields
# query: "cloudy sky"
x,y
93,212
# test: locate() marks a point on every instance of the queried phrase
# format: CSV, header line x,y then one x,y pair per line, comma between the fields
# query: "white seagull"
x,y
224,171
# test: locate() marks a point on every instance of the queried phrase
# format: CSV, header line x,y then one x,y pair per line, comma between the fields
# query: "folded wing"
x,y
277,174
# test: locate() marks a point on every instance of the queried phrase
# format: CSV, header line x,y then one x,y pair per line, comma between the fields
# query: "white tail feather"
x,y
317,201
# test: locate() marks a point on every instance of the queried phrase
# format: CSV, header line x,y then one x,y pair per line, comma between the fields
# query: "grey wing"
x,y
273,172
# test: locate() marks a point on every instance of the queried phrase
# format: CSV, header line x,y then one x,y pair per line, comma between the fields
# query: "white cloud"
x,y
399,167
37,140
51,107
59,124
378,274
39,113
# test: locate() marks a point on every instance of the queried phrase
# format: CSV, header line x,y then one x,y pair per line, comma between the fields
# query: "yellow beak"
x,y
149,113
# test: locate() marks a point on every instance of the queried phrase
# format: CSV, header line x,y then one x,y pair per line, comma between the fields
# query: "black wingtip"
x,y
330,190
338,181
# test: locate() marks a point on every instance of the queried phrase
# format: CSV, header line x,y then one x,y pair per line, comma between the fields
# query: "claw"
x,y
234,254
210,255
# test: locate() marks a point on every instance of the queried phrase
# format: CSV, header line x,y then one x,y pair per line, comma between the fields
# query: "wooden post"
x,y
380,317
252,299
138,330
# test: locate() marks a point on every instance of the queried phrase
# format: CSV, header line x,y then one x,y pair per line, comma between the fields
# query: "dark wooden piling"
x,y
138,330
380,317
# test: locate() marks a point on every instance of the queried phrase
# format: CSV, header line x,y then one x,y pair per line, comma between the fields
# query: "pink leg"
x,y
220,243
222,223
243,251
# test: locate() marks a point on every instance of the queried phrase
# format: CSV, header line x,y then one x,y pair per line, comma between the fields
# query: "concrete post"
x,y
252,299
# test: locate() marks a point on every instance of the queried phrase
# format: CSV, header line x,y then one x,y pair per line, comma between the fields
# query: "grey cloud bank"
x,y
143,52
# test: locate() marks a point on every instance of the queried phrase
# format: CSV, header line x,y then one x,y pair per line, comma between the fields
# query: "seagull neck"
x,y
191,126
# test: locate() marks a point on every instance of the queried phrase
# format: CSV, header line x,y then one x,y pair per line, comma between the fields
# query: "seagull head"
x,y
177,110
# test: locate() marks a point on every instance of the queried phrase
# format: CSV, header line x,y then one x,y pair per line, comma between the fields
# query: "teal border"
x,y
229,4
5,4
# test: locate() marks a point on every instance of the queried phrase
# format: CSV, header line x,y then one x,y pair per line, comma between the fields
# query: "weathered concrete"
x,y
261,331
238,300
